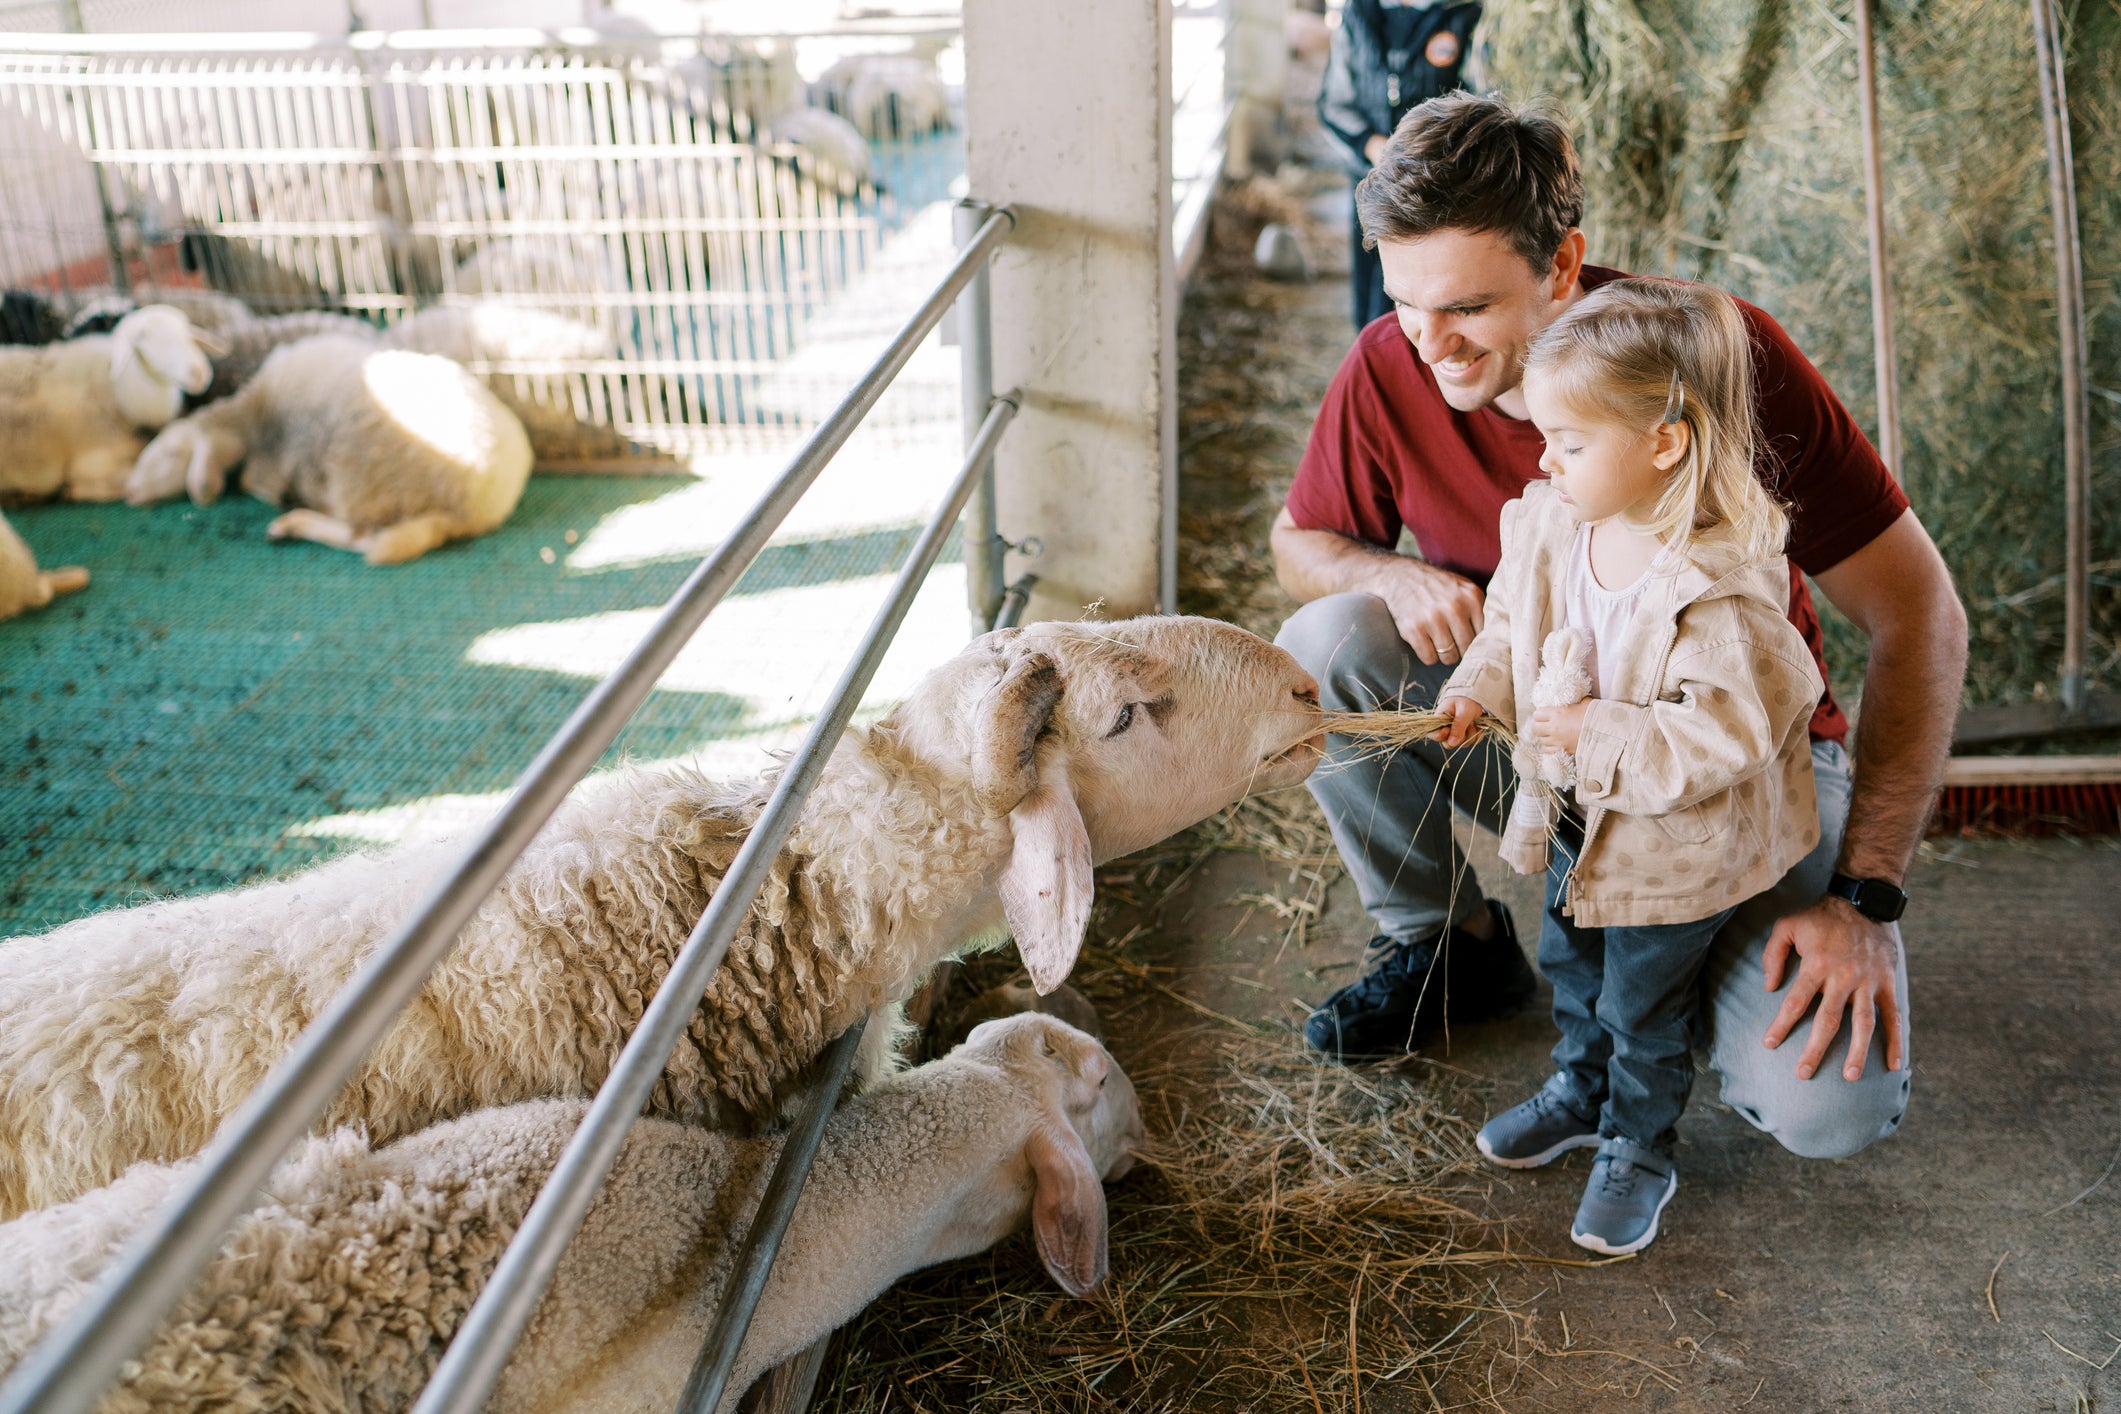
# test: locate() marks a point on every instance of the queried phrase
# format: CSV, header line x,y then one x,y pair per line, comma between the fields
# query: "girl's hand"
x,y
1465,720
1561,727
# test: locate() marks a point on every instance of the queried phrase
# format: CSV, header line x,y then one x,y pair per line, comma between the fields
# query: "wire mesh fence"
x,y
690,207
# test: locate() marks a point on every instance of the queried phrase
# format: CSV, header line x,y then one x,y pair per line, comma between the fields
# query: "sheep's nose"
x,y
1308,692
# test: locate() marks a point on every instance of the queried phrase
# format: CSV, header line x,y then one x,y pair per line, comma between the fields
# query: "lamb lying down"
x,y
381,451
22,585
987,796
341,1290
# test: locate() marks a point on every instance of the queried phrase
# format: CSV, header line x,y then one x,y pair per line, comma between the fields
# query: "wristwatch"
x,y
1875,899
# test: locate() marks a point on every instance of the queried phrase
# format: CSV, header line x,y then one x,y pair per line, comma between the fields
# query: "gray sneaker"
x,y
1628,1190
1538,1131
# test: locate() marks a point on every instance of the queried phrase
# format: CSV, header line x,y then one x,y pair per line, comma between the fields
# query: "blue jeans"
x,y
1626,1000
1391,818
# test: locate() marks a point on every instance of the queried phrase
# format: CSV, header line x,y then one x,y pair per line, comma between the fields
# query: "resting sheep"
x,y
885,95
987,795
498,335
22,585
340,1291
381,451
71,413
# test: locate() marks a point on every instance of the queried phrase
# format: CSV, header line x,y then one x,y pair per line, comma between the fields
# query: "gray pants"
x,y
1390,818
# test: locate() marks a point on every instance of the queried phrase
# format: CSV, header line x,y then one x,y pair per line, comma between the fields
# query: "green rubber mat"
x,y
169,729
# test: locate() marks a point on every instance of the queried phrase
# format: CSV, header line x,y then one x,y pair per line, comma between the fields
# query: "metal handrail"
x,y
480,1349
70,1369
762,1240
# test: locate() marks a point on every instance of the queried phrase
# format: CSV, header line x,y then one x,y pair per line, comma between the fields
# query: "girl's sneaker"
x,y
1538,1131
1628,1190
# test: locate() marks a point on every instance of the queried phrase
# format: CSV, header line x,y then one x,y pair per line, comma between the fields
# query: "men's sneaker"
x,y
1628,1190
1538,1131
1401,1002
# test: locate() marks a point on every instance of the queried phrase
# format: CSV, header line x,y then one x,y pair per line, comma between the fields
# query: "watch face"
x,y
1879,901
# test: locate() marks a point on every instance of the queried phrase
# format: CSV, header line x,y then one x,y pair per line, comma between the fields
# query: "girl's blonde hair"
x,y
1640,352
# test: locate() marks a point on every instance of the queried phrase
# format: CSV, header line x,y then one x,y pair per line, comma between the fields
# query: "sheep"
x,y
340,1292
245,340
885,95
381,451
837,156
22,585
70,413
492,332
984,798
246,345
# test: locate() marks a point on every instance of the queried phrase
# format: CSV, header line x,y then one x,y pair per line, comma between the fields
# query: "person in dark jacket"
x,y
1388,56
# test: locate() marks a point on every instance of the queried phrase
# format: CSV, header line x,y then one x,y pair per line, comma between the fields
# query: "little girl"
x,y
1649,571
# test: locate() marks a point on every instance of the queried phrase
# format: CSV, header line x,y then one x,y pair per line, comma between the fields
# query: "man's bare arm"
x,y
1897,590
1437,612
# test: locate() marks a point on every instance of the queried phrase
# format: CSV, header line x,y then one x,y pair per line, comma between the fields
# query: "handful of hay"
x,y
1392,730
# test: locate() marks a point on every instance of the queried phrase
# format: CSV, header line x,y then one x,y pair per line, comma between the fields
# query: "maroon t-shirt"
x,y
1387,451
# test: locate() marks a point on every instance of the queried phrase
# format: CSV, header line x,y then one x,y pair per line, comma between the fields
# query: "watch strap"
x,y
1875,899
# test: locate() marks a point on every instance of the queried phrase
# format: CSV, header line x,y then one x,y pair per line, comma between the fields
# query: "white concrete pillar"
x,y
1068,119
1256,77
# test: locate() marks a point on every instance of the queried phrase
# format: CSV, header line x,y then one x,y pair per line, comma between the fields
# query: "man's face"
x,y
1470,304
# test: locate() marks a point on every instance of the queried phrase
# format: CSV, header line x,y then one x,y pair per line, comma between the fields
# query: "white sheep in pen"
x,y
341,1290
986,796
22,585
71,413
381,451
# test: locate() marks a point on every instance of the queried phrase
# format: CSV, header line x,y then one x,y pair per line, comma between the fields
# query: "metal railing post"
x,y
984,545
2069,300
762,1242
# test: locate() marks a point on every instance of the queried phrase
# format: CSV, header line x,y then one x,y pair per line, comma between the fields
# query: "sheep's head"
x,y
1098,739
156,357
1086,1129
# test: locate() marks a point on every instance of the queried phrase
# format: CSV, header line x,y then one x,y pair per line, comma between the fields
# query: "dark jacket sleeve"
x,y
1339,107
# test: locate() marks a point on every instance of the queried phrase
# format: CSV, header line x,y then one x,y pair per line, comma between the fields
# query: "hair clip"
x,y
1674,401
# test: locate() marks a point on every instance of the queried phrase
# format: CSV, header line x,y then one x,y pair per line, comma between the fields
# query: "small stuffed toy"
x,y
1544,771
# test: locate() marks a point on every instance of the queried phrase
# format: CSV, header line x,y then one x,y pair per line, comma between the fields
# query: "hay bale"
x,y
1721,143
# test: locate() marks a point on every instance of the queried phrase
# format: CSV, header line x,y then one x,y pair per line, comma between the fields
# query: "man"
x,y
1387,57
1474,207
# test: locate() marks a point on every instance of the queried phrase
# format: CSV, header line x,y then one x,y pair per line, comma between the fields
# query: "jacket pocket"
x,y
1698,824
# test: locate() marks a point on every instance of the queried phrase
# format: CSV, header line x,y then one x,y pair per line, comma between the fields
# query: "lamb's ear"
x,y
1047,888
1005,739
1067,1209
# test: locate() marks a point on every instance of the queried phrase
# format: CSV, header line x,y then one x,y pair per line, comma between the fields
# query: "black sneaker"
x,y
1402,1001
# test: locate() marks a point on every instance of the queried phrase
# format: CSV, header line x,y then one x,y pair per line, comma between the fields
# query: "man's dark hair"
x,y
1473,162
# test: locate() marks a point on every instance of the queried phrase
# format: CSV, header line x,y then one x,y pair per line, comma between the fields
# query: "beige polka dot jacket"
x,y
1695,779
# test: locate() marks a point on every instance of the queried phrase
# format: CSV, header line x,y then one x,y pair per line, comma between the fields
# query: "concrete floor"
x,y
1782,1284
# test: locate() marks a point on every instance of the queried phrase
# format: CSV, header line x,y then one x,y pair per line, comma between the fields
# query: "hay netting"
x,y
1721,143
1294,1228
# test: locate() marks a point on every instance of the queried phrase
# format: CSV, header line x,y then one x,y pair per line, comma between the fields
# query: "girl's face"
x,y
1599,468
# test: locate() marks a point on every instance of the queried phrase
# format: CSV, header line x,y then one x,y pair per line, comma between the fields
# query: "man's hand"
x,y
1847,962
1374,148
1561,727
1465,716
1437,612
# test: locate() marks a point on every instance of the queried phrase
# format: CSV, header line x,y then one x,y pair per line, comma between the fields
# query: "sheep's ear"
x,y
1067,1209
1005,740
1047,888
212,345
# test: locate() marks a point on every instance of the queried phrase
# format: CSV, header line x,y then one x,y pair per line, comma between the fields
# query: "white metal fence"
x,y
691,200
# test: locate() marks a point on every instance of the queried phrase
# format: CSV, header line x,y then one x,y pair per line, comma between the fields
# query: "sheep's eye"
x,y
1126,720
